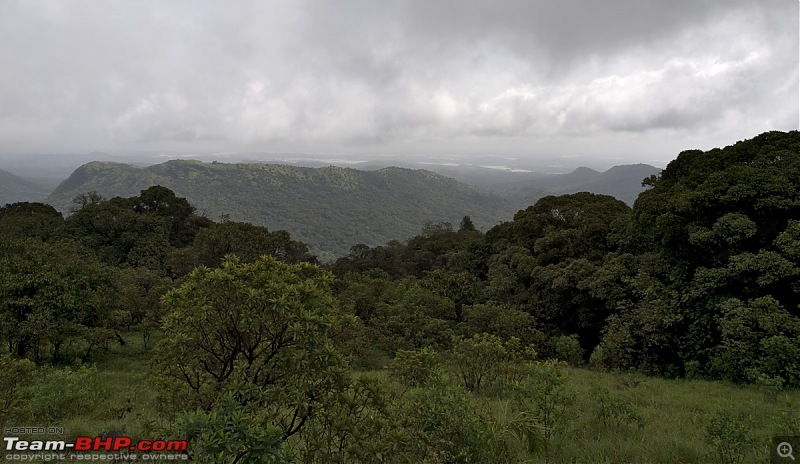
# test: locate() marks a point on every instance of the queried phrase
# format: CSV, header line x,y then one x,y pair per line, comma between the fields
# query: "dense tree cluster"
x,y
67,285
700,277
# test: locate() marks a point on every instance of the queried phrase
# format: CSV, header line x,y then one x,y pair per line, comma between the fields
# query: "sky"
x,y
621,80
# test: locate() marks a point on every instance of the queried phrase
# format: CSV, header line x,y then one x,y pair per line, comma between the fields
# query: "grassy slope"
x,y
330,208
675,412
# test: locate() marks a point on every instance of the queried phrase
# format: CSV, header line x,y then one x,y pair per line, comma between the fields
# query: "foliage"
x,y
503,321
729,437
229,434
760,337
568,349
54,299
415,318
361,424
257,333
247,241
30,220
140,291
544,394
58,393
447,426
14,374
479,360
414,368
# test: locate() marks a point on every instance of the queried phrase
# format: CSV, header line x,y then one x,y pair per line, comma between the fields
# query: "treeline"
x,y
69,286
699,279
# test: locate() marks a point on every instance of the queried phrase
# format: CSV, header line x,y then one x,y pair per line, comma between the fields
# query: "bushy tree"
x,y
715,225
246,241
414,368
54,299
758,338
479,360
30,220
252,339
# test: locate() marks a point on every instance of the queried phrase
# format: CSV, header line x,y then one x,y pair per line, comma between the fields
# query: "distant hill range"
x,y
14,188
524,183
332,208
622,182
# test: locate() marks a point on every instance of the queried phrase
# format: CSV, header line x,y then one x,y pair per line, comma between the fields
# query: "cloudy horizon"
x,y
633,81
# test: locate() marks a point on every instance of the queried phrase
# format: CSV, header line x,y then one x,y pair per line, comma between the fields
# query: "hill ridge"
x,y
329,208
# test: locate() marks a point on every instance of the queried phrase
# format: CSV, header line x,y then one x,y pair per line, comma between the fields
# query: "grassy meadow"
x,y
613,418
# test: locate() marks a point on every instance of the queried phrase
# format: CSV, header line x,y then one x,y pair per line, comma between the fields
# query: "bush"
x,y
781,358
449,427
546,396
617,350
568,349
414,368
787,419
479,360
729,437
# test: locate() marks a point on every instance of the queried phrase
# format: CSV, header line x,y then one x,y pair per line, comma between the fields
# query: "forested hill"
x,y
14,188
330,209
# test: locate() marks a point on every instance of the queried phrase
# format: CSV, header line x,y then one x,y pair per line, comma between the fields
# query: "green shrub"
x,y
729,437
545,394
479,360
414,368
568,349
787,419
448,426
229,434
617,350
781,358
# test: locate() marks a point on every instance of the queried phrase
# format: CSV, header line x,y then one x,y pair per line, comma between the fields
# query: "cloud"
x,y
451,76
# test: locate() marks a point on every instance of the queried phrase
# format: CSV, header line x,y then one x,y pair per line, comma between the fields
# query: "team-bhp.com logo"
x,y
88,448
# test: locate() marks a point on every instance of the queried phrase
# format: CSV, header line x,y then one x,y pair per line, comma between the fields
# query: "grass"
x,y
674,414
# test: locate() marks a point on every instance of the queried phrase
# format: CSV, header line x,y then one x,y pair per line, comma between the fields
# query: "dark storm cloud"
x,y
394,76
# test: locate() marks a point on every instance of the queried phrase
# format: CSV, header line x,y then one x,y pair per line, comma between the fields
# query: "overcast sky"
x,y
627,80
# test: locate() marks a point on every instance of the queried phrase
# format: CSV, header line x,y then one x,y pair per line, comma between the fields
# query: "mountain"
x,y
523,185
330,208
14,188
622,182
